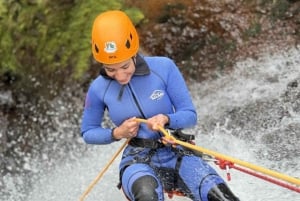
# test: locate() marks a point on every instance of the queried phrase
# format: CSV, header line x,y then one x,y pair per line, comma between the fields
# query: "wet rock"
x,y
3,131
6,100
227,31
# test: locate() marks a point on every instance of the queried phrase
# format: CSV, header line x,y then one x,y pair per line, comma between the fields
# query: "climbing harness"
x,y
154,144
146,143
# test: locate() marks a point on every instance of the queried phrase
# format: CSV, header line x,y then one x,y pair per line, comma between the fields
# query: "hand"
x,y
157,121
169,140
128,129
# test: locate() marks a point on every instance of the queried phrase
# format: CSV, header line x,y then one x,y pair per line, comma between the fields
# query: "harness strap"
x,y
178,182
145,143
139,142
178,134
155,144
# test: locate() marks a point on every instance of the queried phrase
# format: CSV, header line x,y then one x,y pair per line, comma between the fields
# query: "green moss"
x,y
279,9
42,37
253,30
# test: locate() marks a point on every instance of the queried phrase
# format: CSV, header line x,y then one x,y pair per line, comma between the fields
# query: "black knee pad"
x,y
143,189
221,192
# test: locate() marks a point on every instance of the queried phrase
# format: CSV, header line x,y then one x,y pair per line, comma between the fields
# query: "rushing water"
x,y
252,114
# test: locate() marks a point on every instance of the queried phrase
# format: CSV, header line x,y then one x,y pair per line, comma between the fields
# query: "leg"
x,y
203,181
140,183
143,189
221,192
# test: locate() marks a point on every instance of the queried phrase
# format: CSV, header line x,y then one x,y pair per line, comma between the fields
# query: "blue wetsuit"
x,y
157,87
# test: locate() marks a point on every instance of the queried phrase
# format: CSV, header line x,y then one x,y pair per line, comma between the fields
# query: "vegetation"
x,y
46,38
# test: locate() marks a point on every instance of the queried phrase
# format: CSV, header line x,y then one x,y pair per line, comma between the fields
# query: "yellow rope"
x,y
103,171
272,173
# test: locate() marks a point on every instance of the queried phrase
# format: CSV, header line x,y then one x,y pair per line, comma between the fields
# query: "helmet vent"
x,y
96,48
130,36
127,44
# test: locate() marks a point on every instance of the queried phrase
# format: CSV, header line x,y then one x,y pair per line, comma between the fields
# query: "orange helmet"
x,y
114,37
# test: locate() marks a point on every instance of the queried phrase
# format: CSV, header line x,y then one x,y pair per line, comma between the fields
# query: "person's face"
x,y
122,72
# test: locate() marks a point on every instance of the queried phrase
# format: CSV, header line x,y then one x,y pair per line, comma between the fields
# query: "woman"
x,y
130,86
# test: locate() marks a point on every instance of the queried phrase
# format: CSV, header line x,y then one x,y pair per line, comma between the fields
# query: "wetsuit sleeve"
x,y
91,129
184,115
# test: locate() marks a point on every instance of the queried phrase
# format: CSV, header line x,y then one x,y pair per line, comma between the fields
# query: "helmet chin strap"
x,y
134,59
134,62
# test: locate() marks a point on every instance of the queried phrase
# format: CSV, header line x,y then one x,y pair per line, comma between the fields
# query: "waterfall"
x,y
252,114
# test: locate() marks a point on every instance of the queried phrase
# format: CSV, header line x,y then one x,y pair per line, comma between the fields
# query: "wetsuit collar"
x,y
141,67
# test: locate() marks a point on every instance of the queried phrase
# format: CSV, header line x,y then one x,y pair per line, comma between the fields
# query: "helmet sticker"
x,y
110,47
157,94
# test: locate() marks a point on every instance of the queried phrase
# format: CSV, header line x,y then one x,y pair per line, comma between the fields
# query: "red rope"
x,y
269,179
223,164
174,192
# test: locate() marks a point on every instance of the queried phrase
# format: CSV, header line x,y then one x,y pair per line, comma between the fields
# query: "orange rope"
x,y
103,171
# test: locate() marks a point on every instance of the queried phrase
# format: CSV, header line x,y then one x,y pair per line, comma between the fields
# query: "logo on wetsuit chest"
x,y
157,94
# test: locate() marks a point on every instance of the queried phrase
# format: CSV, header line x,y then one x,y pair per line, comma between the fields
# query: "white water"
x,y
253,81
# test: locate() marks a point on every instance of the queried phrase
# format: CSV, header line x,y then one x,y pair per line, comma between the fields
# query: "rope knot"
x,y
223,164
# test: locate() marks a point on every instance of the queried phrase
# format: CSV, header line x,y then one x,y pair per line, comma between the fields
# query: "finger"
x,y
156,126
133,119
132,135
